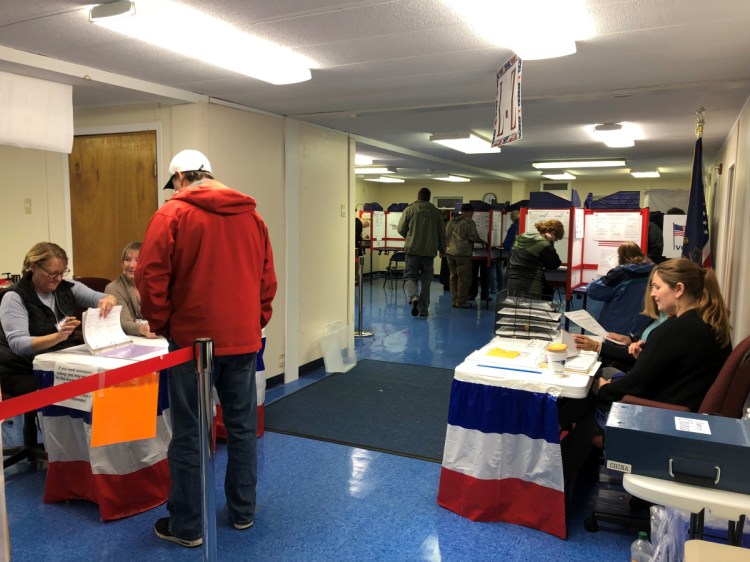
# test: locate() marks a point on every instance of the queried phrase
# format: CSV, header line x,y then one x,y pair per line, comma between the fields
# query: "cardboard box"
x,y
708,451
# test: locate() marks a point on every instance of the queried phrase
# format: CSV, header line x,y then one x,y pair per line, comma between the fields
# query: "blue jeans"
x,y
234,379
419,268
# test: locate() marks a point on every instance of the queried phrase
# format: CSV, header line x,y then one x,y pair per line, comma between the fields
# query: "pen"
x,y
510,369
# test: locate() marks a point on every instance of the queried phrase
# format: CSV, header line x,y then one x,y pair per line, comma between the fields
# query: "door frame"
x,y
105,130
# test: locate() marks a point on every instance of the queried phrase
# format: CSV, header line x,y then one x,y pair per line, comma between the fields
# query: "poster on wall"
x,y
507,127
674,232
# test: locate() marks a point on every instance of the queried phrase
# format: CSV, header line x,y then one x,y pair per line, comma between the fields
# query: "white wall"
x,y
729,221
35,175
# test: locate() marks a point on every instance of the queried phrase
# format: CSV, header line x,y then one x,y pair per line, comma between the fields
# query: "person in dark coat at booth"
x,y
37,315
621,290
532,253
461,235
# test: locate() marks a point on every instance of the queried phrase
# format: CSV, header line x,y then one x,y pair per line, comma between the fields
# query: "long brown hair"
x,y
703,286
630,252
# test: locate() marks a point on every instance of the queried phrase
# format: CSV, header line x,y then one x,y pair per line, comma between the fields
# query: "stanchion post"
x,y
359,333
204,359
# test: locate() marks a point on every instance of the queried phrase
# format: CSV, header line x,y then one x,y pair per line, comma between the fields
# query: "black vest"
x,y
42,321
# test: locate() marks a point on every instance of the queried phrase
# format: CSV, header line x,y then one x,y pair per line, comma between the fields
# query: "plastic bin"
x,y
338,348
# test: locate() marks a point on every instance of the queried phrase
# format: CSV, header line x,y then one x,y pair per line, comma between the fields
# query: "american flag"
x,y
678,231
696,245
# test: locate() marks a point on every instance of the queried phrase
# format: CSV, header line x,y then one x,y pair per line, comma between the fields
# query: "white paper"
x,y
101,332
587,322
66,372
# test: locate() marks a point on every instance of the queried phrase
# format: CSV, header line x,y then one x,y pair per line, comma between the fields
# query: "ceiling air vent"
x,y
555,186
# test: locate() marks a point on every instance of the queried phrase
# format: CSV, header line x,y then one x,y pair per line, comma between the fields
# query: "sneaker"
x,y
162,531
415,306
243,525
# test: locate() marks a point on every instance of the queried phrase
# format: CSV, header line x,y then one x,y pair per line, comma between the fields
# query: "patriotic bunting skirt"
x,y
122,479
502,457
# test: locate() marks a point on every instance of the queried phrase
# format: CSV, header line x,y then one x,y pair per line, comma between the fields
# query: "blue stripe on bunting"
x,y
494,409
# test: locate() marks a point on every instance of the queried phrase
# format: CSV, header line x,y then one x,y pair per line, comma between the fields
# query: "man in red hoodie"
x,y
206,270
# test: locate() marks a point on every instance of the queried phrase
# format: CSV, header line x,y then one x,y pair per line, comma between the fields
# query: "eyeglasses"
x,y
53,274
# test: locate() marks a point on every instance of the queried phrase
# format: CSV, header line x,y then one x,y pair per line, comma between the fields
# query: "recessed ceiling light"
x,y
465,141
375,170
564,176
616,135
639,175
452,178
568,164
362,160
385,179
156,22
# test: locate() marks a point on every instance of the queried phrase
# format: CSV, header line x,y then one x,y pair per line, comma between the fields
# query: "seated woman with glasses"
x,y
124,289
36,315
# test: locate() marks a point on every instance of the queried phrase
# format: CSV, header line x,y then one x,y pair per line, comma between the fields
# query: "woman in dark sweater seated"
x,y
684,355
678,363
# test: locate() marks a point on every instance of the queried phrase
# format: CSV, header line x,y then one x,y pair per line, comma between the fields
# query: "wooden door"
x,y
113,195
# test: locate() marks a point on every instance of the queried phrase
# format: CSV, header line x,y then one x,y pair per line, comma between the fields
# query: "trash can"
x,y
338,348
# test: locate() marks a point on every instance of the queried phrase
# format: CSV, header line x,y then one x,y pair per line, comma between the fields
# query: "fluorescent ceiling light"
x,y
563,176
578,164
535,28
452,178
616,135
375,170
645,174
385,179
163,23
464,141
362,160
113,10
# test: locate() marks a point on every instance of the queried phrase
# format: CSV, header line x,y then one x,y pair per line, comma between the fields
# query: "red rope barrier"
x,y
54,394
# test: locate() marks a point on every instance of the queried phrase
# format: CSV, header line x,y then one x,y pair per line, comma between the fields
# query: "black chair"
x,y
395,269
30,450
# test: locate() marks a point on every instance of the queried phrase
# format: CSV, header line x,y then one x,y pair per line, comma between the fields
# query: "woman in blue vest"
x,y
36,315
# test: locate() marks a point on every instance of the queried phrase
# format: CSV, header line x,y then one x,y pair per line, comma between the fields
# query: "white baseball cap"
x,y
187,161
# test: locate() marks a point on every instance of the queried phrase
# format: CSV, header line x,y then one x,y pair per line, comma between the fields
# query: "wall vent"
x,y
555,186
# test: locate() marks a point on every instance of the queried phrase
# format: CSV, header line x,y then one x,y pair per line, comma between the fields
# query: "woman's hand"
x,y
619,338
145,331
67,327
105,305
586,343
635,348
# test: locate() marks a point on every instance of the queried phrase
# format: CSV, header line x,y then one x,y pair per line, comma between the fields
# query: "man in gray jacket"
x,y
422,226
461,234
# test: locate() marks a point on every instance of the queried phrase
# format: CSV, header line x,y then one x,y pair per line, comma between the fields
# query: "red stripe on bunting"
x,y
118,495
510,500
54,394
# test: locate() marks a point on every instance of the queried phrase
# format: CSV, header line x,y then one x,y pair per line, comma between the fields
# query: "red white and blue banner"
x,y
123,478
502,459
507,127
696,245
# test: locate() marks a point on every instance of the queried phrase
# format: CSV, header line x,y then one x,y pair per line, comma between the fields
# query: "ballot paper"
x,y
587,322
104,336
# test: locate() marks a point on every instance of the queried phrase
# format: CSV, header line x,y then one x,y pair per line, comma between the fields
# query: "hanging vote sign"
x,y
508,105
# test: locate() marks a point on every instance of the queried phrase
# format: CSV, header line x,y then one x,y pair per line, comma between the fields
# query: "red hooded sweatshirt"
x,y
205,269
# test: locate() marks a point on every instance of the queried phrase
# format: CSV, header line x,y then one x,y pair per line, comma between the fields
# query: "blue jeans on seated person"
x,y
234,379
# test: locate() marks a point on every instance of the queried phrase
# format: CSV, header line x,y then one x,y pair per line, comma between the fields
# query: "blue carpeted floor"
x,y
320,501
